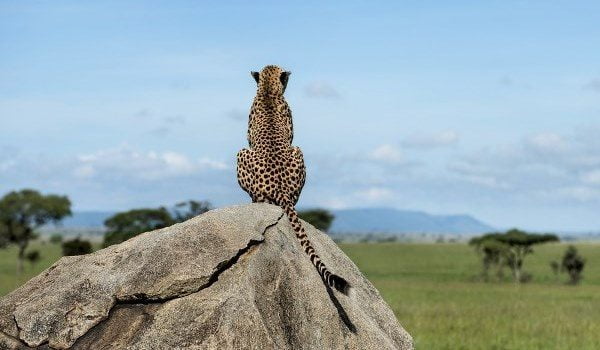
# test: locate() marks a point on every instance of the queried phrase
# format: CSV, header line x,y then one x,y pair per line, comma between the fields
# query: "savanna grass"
x,y
435,292
437,296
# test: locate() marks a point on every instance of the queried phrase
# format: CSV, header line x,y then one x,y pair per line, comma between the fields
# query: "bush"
x,y
573,263
319,218
76,246
125,225
525,277
33,256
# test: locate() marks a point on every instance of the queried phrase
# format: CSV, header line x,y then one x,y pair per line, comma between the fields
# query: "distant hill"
x,y
347,221
372,220
87,224
386,220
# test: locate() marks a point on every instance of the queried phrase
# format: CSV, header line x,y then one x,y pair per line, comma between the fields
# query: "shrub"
x,y
76,246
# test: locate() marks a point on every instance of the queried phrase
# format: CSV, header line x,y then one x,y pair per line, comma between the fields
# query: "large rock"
x,y
233,278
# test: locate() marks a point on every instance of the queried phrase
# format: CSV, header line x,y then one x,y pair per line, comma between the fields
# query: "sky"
x,y
484,108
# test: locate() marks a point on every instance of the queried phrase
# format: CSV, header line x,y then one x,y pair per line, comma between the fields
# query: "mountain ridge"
x,y
390,220
355,220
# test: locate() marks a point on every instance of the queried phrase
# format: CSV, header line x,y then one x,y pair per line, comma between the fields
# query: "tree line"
x,y
24,212
125,225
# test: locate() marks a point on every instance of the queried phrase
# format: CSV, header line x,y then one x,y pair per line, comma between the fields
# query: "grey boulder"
x,y
232,278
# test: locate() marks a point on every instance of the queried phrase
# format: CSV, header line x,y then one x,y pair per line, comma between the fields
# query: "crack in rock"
x,y
21,343
221,267
142,299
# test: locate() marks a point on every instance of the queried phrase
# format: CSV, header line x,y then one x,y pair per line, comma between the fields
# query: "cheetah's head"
x,y
272,79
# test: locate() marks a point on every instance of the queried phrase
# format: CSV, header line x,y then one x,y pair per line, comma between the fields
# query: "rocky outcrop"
x,y
232,278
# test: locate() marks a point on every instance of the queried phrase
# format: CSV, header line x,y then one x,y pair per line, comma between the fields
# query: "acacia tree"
x,y
125,225
513,246
492,256
520,244
23,212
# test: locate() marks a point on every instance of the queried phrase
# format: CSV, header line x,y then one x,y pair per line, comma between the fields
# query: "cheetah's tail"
x,y
331,279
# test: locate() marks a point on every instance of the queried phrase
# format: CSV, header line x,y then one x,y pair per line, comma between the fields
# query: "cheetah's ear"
x,y
255,75
284,78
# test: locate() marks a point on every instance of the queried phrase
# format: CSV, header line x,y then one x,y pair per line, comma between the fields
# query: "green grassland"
x,y
434,293
436,296
49,253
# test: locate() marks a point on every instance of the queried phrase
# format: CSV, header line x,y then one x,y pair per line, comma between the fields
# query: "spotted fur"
x,y
272,170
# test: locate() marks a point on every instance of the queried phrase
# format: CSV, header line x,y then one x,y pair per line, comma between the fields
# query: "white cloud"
x,y
544,170
126,162
591,177
548,142
432,140
84,171
176,162
6,164
489,181
8,157
478,174
552,165
388,154
208,163
124,177
319,89
335,203
375,194
579,193
367,196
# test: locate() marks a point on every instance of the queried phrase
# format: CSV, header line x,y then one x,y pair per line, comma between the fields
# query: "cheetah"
x,y
272,170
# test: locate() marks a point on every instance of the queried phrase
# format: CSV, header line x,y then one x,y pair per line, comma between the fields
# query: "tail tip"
x,y
350,292
343,286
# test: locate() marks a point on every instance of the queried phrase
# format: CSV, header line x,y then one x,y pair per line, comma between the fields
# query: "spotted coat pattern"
x,y
272,170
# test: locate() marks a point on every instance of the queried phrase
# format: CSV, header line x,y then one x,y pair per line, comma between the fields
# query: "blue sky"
x,y
487,108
